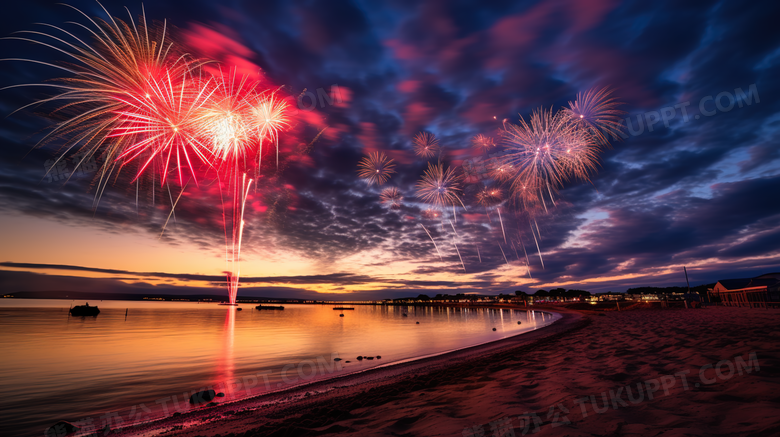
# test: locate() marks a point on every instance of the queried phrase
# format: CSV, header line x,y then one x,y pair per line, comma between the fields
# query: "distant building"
x,y
760,291
608,296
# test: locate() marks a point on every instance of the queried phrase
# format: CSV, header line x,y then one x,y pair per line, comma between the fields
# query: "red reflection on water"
x,y
225,364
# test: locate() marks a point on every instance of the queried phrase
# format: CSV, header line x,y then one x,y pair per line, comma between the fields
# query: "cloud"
x,y
700,192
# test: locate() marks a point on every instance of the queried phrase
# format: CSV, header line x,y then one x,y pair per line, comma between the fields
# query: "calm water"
x,y
114,370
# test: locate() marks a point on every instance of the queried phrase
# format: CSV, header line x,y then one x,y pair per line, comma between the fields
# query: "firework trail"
x,y
432,241
238,232
502,223
170,197
376,168
173,208
392,197
502,253
453,229
515,249
425,145
527,262
456,245
539,251
461,258
238,121
522,244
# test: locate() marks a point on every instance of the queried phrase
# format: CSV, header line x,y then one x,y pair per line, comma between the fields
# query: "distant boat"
x,y
84,311
268,307
343,308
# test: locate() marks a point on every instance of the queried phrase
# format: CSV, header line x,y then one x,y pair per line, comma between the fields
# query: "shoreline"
x,y
345,385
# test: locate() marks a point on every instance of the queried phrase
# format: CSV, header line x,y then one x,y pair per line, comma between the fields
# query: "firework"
x,y
134,98
490,196
528,198
392,197
540,156
376,168
535,149
596,113
224,120
269,119
483,143
439,186
164,125
425,145
430,214
126,63
501,169
580,158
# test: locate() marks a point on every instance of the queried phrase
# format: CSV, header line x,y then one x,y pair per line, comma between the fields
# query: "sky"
x,y
694,182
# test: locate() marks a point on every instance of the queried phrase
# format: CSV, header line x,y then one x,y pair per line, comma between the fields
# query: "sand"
x,y
703,372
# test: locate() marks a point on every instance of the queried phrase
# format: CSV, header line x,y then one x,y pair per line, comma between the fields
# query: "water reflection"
x,y
163,351
225,362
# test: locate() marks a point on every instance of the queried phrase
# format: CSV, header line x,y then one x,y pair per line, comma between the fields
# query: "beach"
x,y
711,371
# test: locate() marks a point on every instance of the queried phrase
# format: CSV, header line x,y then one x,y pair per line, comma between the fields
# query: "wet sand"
x,y
642,372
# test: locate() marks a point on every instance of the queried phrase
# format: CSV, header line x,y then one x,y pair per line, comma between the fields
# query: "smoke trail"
x,y
502,253
527,262
453,229
433,241
173,207
537,246
461,258
502,224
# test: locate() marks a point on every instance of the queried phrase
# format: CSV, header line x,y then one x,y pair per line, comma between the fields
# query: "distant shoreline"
x,y
249,301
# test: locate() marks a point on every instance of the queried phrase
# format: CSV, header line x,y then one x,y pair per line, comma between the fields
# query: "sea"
x,y
138,361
